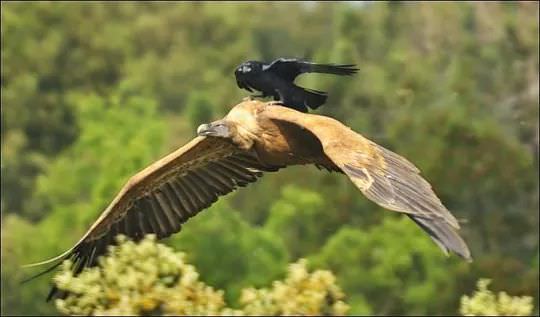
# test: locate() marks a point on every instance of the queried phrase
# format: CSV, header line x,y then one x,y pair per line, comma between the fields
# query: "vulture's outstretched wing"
x,y
383,176
289,69
163,196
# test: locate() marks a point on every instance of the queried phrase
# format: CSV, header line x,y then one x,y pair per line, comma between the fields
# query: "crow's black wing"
x,y
301,99
289,69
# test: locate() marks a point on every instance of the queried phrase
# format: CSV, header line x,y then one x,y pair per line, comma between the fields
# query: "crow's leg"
x,y
278,99
263,94
252,97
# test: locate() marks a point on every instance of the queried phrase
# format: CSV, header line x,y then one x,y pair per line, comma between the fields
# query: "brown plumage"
x,y
235,151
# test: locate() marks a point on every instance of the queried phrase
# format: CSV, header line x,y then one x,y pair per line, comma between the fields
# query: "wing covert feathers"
x,y
383,176
398,186
163,196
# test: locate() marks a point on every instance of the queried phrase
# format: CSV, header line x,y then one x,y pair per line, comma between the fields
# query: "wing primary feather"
x,y
54,290
247,164
146,204
132,224
395,159
188,205
217,183
167,211
41,273
254,172
124,225
195,195
197,191
159,216
174,203
422,192
60,257
224,178
421,203
149,216
99,249
444,235
240,176
205,186
228,174
178,195
107,240
188,196
113,230
80,261
92,255
144,224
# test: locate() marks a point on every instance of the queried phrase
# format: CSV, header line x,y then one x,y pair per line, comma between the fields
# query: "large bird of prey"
x,y
232,152
277,80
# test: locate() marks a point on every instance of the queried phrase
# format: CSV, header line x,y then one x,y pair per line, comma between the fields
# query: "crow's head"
x,y
249,67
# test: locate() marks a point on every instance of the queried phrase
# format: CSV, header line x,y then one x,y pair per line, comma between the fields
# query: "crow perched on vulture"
x,y
277,80
232,152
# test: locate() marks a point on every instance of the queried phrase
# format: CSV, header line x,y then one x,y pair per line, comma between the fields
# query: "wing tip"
x,y
58,257
28,279
444,235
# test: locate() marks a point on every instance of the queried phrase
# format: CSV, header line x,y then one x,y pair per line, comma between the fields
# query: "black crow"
x,y
277,80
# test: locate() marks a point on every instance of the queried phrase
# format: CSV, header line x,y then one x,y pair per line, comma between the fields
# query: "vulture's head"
x,y
220,128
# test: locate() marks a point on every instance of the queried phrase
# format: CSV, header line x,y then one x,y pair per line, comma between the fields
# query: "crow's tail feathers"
x,y
444,235
343,70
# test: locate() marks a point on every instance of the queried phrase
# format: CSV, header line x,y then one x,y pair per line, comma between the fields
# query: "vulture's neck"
x,y
244,122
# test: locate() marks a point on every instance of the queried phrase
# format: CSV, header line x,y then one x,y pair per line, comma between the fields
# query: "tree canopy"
x,y
94,92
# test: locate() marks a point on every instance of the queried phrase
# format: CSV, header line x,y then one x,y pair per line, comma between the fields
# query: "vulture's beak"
x,y
203,129
217,129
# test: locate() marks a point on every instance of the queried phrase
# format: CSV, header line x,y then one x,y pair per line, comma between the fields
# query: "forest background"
x,y
93,92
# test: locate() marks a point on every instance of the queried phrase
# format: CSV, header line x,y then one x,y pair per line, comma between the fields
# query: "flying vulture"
x,y
232,152
277,80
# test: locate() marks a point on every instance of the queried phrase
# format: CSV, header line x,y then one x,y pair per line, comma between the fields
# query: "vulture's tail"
x,y
342,70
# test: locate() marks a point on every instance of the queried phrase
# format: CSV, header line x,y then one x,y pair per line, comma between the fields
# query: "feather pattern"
x,y
163,196
383,176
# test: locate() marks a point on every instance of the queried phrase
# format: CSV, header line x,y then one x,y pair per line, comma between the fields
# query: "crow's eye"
x,y
246,69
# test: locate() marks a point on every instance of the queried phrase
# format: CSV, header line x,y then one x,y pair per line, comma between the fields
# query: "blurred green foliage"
x,y
92,93
148,278
137,279
484,303
392,267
